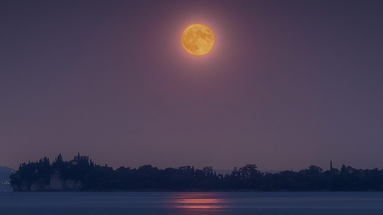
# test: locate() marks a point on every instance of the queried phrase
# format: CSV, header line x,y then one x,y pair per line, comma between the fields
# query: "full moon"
x,y
198,39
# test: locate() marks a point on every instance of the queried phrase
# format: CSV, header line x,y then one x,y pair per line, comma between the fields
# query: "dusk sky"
x,y
288,84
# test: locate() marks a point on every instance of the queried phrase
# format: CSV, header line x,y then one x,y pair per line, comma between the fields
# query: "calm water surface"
x,y
217,203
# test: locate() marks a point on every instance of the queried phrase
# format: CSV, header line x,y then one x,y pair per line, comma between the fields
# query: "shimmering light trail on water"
x,y
170,203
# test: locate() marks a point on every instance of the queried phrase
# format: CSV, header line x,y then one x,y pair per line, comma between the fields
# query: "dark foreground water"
x,y
159,203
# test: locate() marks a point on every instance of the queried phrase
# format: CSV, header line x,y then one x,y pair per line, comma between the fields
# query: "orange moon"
x,y
198,39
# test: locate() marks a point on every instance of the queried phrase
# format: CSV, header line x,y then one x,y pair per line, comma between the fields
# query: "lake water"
x,y
169,203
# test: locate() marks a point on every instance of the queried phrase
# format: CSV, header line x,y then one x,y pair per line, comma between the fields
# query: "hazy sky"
x,y
288,83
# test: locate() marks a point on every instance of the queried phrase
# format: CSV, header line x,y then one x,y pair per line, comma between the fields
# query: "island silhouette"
x,y
82,174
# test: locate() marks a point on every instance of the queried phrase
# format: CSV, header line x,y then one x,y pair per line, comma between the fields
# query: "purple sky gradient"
x,y
288,84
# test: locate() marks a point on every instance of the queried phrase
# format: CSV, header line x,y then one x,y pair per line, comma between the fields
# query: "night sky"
x,y
288,83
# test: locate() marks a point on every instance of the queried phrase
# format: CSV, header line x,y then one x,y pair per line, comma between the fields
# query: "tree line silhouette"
x,y
82,174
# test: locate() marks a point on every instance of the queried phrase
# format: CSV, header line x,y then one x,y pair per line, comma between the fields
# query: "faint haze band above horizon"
x,y
288,83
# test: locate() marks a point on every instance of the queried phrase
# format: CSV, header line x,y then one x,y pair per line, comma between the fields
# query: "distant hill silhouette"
x,y
5,172
82,174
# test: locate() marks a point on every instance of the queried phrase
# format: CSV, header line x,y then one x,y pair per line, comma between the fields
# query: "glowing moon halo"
x,y
198,39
